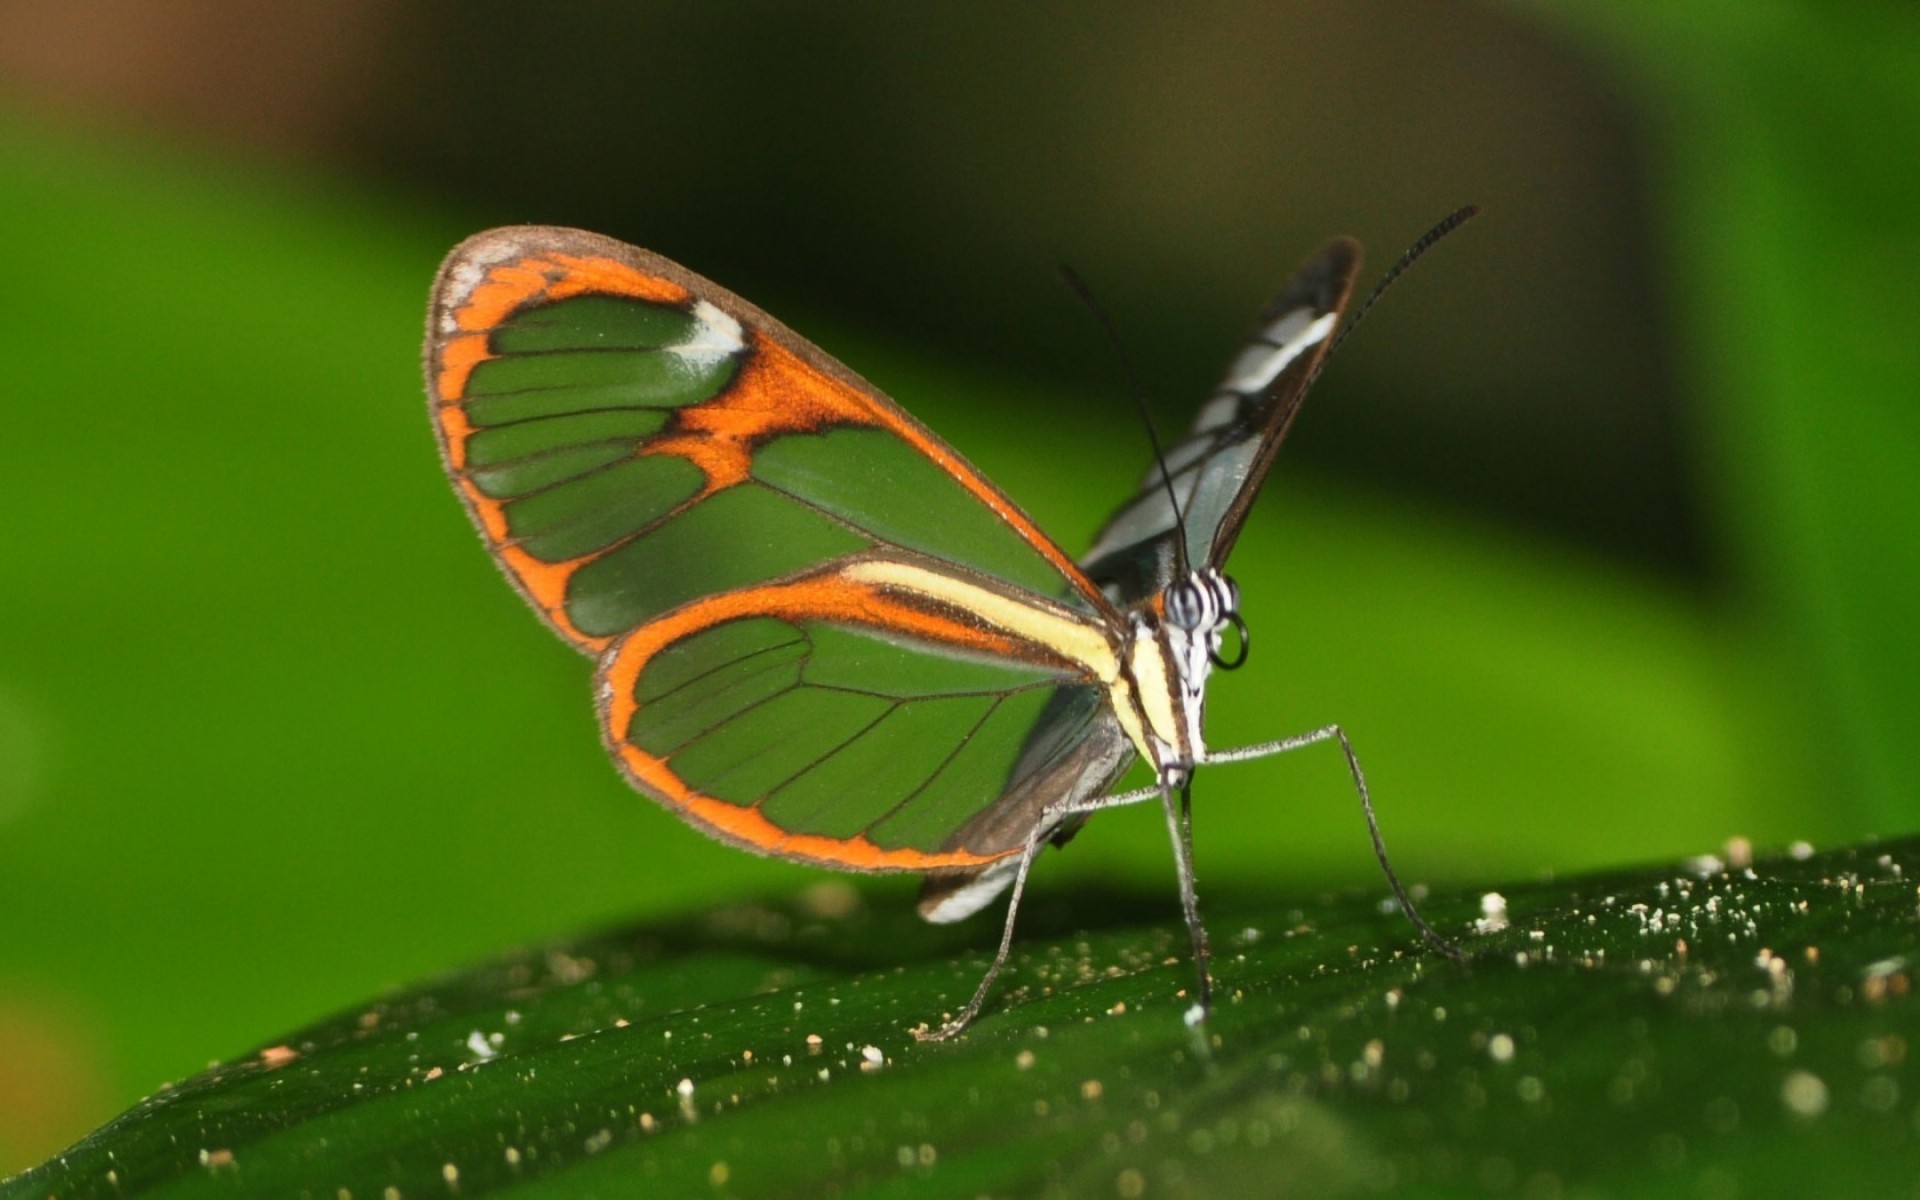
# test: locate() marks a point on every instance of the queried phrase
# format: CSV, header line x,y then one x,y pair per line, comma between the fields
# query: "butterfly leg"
x,y
1333,733
1180,829
1050,818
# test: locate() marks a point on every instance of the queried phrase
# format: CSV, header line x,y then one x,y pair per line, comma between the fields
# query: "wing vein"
x,y
960,745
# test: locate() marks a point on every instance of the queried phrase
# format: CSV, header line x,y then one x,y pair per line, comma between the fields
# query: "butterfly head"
x,y
1205,604
1177,644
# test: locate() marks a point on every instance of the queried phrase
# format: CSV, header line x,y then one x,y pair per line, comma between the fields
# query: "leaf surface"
x,y
1646,1032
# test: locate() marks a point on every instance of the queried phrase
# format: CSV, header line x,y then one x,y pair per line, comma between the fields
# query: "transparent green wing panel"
x,y
593,323
730,539
508,461
873,480
591,353
823,730
607,504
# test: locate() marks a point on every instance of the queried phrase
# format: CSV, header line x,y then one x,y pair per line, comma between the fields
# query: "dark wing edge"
x,y
1218,467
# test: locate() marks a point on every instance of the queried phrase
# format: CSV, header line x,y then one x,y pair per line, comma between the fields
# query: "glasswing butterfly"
x,y
820,633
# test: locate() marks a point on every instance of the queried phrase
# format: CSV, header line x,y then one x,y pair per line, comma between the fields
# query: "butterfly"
x,y
820,633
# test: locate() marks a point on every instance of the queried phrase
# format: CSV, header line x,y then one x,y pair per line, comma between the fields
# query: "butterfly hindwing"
x,y
867,716
1217,468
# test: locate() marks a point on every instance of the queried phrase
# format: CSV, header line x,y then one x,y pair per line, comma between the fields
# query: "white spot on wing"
x,y
461,281
472,269
1145,519
714,338
1217,412
1293,334
503,245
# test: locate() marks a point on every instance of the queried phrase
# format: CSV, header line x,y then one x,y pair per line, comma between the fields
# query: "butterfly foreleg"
x,y
1333,733
1050,818
1180,830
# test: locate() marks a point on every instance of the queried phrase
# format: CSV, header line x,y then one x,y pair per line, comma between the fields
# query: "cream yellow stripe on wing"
x,y
1073,638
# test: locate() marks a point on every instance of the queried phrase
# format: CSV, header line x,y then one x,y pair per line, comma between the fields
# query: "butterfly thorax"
x,y
1173,645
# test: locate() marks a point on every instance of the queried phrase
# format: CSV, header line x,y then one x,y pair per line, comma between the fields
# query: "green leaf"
x,y
1720,1028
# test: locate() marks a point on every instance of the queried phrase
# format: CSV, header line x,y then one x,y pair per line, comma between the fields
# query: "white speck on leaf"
x,y
482,1047
1493,913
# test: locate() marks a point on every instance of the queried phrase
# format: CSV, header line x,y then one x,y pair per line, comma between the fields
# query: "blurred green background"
x,y
1598,539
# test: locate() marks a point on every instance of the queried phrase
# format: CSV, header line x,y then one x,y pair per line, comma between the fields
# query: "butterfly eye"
x,y
1241,642
1185,606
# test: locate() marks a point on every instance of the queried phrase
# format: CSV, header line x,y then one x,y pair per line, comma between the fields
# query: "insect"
x,y
820,633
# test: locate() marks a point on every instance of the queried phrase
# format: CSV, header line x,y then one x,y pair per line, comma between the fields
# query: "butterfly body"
x,y
821,634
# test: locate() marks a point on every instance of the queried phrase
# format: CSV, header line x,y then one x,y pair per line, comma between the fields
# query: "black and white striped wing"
x,y
1078,749
1218,467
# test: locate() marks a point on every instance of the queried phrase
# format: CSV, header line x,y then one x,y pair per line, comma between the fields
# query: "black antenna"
x,y
1072,279
1453,221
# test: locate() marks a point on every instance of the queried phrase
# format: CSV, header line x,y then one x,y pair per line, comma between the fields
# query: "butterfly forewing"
x,y
630,437
1217,468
